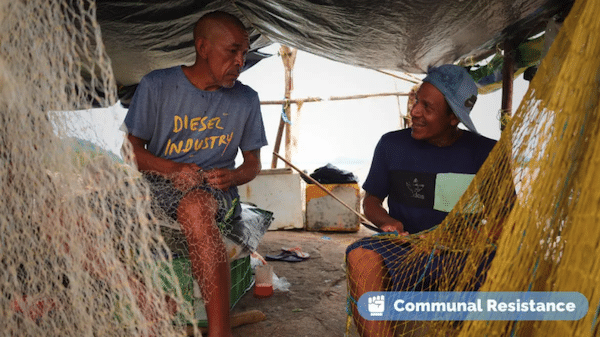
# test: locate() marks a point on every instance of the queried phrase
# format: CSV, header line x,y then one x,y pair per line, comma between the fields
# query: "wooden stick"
x,y
411,78
278,142
362,217
332,98
383,94
239,319
288,56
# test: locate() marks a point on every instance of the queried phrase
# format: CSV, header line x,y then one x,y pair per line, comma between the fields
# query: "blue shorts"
x,y
420,272
167,198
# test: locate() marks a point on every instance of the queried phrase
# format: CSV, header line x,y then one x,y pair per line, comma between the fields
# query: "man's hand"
x,y
221,179
186,176
378,215
394,226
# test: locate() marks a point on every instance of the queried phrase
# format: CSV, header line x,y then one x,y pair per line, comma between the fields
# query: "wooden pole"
x,y
362,217
408,78
333,98
288,56
277,142
507,82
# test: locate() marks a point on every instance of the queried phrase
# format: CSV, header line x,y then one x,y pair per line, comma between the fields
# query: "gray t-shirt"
x,y
185,124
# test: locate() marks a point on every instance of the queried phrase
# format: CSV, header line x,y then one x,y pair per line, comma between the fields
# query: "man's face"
x,y
430,118
225,54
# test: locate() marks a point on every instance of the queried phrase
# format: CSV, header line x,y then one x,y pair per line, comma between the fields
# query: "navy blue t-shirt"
x,y
422,181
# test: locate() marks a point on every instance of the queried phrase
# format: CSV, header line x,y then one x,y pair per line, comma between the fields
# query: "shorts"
x,y
423,271
167,198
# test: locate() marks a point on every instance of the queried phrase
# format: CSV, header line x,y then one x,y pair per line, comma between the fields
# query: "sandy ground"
x,y
315,304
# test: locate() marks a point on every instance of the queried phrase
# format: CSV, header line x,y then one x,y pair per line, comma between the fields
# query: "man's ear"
x,y
454,120
201,45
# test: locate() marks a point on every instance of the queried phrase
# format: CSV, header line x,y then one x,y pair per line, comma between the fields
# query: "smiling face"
x,y
222,49
432,119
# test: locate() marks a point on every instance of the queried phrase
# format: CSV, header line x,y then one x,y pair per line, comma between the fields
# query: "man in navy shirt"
x,y
422,171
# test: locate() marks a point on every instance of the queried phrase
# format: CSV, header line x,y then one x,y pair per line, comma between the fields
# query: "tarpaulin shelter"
x,y
399,35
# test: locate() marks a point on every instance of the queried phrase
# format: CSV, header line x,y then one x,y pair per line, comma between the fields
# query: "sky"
x,y
342,133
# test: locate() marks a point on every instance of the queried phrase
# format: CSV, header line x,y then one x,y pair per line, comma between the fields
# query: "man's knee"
x,y
361,258
366,271
197,212
199,203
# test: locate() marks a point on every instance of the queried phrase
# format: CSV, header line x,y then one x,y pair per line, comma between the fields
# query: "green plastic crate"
x,y
241,282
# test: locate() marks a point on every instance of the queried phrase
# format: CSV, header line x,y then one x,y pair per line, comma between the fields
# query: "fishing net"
x,y
528,221
82,251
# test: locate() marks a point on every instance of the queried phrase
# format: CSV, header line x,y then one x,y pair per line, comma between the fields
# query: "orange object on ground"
x,y
263,290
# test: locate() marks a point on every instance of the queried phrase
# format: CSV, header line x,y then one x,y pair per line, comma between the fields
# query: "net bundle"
x,y
528,221
81,250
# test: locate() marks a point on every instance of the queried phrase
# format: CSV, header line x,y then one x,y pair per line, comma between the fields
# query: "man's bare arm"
x,y
374,211
183,175
223,179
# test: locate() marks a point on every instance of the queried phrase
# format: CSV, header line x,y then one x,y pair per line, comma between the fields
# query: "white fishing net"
x,y
84,250
81,251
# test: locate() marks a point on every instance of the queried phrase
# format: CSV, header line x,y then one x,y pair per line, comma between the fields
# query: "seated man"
x,y
409,168
185,125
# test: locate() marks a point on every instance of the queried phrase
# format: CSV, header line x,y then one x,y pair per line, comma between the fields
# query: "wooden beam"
x,y
409,77
277,142
332,98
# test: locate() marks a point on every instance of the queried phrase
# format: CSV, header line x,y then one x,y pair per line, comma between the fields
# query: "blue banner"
x,y
472,306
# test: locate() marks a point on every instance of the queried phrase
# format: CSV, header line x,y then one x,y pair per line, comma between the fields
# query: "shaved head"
x,y
221,43
205,27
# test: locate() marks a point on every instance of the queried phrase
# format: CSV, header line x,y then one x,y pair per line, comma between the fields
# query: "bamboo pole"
x,y
237,319
288,57
410,78
332,98
362,217
277,143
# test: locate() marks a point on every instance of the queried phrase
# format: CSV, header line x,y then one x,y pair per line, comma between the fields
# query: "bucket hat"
x,y
459,89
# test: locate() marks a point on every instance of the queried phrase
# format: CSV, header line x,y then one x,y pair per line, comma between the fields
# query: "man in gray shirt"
x,y
185,125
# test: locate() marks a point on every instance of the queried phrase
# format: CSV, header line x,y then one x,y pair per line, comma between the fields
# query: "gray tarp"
x,y
403,35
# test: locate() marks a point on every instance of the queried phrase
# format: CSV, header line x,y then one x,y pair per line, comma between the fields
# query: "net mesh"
x,y
81,250
545,236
